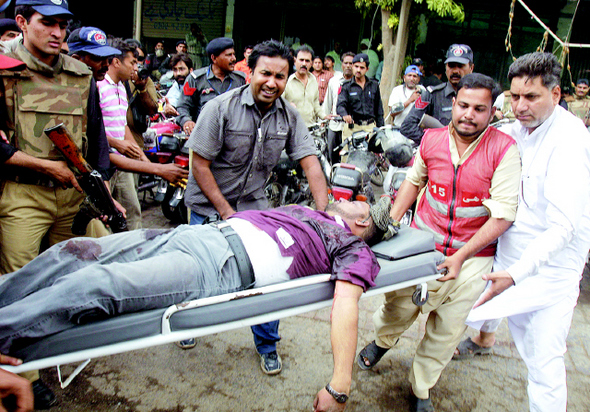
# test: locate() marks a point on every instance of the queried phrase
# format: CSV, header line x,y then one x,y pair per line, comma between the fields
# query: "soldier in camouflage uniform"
x,y
52,89
579,103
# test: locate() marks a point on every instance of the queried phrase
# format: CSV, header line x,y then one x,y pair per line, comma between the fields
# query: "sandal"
x,y
468,349
371,353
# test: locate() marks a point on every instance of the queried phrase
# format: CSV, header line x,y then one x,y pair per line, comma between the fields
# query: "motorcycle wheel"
x,y
377,177
167,210
180,213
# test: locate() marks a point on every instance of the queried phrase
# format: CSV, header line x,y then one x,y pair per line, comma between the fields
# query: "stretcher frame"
x,y
297,286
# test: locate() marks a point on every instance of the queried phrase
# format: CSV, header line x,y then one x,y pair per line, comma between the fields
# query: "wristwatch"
x,y
340,397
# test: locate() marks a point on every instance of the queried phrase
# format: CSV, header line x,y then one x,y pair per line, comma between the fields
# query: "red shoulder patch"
x,y
421,104
187,90
339,89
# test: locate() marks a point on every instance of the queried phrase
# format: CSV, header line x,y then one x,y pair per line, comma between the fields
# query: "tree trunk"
x,y
393,55
387,83
401,38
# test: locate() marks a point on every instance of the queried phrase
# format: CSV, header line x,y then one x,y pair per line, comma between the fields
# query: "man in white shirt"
x,y
539,261
182,66
405,94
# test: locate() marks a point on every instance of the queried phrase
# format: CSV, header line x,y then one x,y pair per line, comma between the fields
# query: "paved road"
x,y
223,374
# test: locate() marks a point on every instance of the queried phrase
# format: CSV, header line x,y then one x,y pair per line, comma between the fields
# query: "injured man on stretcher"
x,y
83,280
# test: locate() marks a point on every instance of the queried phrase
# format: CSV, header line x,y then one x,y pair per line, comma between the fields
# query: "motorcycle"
x,y
399,151
319,132
352,179
157,153
165,144
287,183
172,204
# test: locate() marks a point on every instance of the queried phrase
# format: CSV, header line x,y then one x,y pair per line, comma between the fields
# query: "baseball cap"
x,y
5,5
413,69
459,53
47,7
418,61
90,40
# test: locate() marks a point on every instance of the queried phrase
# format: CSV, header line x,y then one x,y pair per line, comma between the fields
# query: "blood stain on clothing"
x,y
152,233
83,249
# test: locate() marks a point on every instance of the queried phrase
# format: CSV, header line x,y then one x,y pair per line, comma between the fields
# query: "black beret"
x,y
218,45
8,24
361,57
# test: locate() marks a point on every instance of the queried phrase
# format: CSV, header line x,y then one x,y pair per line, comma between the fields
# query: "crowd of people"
x,y
513,228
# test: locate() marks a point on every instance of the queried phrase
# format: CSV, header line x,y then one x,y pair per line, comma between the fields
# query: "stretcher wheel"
x,y
420,295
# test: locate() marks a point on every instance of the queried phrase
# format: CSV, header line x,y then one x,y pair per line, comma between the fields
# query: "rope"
x,y
508,40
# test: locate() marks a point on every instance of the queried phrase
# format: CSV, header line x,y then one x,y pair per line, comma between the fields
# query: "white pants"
x,y
540,337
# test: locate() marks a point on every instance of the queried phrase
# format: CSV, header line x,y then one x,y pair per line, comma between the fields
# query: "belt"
x,y
237,246
365,122
29,177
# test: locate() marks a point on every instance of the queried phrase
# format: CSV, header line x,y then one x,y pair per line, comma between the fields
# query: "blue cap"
x,y
47,7
92,41
4,6
413,69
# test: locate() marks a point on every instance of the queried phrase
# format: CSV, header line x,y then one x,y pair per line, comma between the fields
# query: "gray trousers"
x,y
87,279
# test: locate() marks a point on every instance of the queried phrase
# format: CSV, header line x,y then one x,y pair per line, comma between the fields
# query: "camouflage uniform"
x,y
32,204
579,107
507,106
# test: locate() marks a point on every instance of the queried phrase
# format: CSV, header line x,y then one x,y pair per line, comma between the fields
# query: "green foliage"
x,y
441,8
445,8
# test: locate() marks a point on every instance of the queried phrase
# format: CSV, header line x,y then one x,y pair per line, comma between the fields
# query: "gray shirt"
x,y
243,147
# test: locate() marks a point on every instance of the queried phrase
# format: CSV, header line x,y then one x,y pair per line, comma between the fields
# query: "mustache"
x,y
467,122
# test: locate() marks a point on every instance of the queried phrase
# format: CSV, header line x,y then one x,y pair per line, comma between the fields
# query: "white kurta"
x,y
546,247
544,251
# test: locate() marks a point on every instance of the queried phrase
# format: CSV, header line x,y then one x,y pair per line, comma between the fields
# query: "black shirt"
x,y
6,151
98,145
361,104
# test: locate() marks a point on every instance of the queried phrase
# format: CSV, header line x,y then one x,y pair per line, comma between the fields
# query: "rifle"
x,y
98,201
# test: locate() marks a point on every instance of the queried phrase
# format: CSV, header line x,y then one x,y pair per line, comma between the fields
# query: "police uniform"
x,y
202,86
362,104
436,101
32,204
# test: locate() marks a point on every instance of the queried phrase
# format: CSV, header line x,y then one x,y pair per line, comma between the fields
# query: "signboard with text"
x,y
172,18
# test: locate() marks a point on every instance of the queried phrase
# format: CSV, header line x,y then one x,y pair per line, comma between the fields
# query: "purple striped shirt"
x,y
113,103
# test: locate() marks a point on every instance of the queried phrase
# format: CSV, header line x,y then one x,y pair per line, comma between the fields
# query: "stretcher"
x,y
407,259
